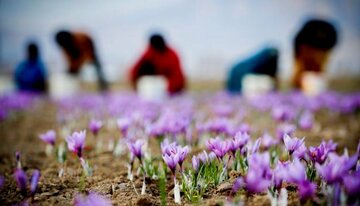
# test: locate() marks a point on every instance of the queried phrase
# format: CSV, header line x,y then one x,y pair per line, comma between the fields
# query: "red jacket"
x,y
166,64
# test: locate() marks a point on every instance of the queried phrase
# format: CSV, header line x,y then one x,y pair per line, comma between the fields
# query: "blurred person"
x,y
159,59
79,50
312,47
265,62
30,75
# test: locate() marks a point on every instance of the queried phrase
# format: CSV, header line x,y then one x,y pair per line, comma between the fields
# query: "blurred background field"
x,y
210,36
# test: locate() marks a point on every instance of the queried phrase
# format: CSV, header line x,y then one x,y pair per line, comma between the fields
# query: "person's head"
x,y
32,51
158,43
313,44
66,41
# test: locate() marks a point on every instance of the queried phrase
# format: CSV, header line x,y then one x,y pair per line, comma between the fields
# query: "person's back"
x,y
263,62
312,47
30,75
79,49
160,59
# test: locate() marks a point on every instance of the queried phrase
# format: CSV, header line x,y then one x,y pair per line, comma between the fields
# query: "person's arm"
x,y
176,77
135,70
44,77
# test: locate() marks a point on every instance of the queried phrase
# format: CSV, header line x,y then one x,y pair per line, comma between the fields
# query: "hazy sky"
x,y
210,36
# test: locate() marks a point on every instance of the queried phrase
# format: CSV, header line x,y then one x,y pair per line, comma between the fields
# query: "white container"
x,y
257,84
313,83
152,87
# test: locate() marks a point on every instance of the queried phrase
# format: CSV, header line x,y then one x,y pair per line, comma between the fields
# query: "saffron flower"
x,y
34,181
21,180
300,152
317,154
171,161
239,182
268,141
218,146
295,172
256,146
238,142
306,190
195,163
2,181
280,174
49,137
93,199
352,186
123,124
283,113
258,177
292,144
173,155
95,126
136,149
306,120
183,152
76,142
285,129
334,170
18,160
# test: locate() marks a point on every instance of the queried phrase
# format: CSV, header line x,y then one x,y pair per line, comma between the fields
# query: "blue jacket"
x,y
31,76
264,62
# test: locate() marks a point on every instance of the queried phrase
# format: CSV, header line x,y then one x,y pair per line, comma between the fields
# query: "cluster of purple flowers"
x,y
173,155
22,181
219,123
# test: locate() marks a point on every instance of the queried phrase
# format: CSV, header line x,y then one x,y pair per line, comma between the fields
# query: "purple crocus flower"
x,y
306,120
123,124
317,154
239,141
280,174
34,181
336,168
268,141
295,172
258,177
93,199
76,142
212,156
329,146
183,151
18,161
283,113
300,152
352,184
171,161
136,148
2,181
195,163
204,158
167,147
306,189
218,146
95,126
255,148
239,182
49,137
255,180
21,180
284,129
292,144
